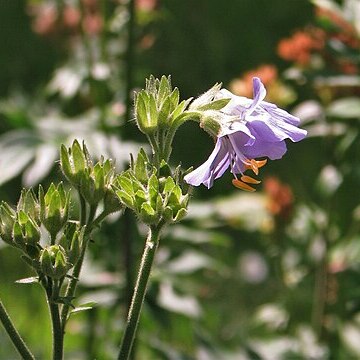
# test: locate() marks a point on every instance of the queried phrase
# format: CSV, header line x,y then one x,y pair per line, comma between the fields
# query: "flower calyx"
x,y
53,262
153,197
54,208
158,106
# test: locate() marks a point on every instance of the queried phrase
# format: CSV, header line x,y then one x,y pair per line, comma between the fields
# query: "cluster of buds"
x,y
93,181
154,196
21,228
157,107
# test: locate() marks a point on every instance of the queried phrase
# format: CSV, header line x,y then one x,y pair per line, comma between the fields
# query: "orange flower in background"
x,y
146,5
278,92
44,19
244,86
280,198
299,47
71,17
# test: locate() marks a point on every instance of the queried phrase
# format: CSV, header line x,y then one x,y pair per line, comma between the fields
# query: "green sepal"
x,y
164,113
7,219
153,189
148,215
65,163
180,215
141,165
53,261
78,157
125,198
215,105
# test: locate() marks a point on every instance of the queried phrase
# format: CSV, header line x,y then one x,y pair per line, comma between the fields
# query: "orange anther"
x,y
261,163
241,185
249,180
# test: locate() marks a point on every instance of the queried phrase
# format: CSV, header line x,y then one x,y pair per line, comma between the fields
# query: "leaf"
x,y
29,280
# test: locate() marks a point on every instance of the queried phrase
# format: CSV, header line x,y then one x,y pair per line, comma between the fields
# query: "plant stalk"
x,y
14,336
57,333
139,292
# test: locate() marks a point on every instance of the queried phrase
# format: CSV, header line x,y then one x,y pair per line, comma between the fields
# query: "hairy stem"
x,y
71,288
14,336
57,333
139,292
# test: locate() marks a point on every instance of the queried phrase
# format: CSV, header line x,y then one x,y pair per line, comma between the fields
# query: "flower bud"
x,y
54,208
74,161
7,220
96,181
72,241
29,205
146,112
157,107
53,261
25,230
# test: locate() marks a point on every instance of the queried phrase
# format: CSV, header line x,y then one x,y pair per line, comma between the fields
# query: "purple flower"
x,y
252,128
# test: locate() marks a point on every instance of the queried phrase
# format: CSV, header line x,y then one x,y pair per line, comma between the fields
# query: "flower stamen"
x,y
249,180
243,186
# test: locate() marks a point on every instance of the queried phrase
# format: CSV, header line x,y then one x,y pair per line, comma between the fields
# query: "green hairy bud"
x,y
29,205
53,261
25,230
54,208
96,181
74,161
157,107
7,220
72,241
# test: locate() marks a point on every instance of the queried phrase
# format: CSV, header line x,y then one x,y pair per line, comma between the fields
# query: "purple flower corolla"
x,y
252,128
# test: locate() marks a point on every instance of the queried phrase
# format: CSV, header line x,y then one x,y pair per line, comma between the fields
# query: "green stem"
x,y
57,333
139,292
15,337
71,288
